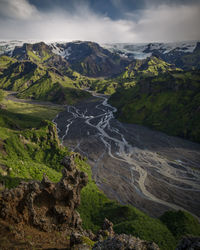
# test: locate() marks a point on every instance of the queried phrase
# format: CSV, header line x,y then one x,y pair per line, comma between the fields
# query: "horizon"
x,y
31,41
101,21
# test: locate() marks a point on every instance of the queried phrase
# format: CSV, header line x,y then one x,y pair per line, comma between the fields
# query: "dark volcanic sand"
x,y
131,163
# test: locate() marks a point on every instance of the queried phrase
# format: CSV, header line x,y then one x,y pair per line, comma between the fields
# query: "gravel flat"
x,y
131,163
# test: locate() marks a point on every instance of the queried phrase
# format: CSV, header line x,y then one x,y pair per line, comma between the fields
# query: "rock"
x,y
75,239
123,241
45,205
90,235
3,106
107,225
106,231
189,243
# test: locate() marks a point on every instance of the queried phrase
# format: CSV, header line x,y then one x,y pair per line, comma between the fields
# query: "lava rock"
x,y
123,241
45,205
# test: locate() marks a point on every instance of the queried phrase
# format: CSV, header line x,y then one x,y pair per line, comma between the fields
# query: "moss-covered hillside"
x,y
35,72
168,102
134,72
29,147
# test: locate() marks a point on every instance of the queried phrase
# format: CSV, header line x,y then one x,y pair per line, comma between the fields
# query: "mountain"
x,y
93,60
169,102
7,47
138,69
151,66
37,73
90,59
183,54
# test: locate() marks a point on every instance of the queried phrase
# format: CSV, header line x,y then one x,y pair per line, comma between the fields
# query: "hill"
x,y
36,72
168,102
135,71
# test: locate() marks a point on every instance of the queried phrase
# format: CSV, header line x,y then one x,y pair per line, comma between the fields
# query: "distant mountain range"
x,y
144,50
60,72
91,59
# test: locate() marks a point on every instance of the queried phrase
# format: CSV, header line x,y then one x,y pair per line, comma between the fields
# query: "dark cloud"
x,y
100,20
115,9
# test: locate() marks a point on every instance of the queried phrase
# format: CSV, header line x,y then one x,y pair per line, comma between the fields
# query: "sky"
x,y
102,21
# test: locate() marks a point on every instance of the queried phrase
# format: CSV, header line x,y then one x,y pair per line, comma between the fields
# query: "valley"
x,y
131,163
104,104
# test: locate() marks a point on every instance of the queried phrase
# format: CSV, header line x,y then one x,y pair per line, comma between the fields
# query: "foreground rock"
x,y
110,240
43,215
45,205
123,241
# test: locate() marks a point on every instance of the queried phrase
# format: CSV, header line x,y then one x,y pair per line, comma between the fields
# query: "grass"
x,y
168,103
37,80
181,223
31,147
95,206
39,111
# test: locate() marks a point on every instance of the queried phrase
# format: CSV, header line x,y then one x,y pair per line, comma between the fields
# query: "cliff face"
x,y
45,205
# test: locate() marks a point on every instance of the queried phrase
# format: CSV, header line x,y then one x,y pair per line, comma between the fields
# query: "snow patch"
x,y
138,50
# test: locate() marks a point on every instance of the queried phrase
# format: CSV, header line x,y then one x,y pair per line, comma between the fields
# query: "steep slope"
x,y
52,87
5,61
135,71
152,66
37,73
90,59
169,102
38,52
20,75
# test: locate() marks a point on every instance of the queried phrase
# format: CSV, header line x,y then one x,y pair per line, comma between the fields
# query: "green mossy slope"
x,y
37,81
181,223
95,206
169,103
134,72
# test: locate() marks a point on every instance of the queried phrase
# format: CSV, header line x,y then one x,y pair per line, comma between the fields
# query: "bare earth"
x,y
131,163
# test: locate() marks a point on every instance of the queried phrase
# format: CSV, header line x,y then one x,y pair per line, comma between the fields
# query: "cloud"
x,y
23,20
169,23
17,9
81,24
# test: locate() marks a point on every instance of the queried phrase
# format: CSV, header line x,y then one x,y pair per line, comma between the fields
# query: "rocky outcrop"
x,y
123,241
106,231
45,205
189,243
107,239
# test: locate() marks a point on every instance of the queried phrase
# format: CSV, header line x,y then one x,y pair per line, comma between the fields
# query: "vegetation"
x,y
37,73
133,73
181,223
169,103
95,206
29,147
149,92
